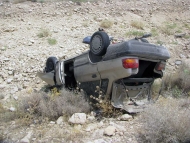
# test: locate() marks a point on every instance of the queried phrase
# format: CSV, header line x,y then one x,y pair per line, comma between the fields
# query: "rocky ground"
x,y
23,53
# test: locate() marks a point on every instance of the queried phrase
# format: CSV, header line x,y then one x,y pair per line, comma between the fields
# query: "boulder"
x,y
126,117
78,118
110,131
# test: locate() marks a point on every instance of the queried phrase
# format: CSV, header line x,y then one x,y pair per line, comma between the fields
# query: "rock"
x,y
10,72
182,56
2,96
181,35
91,127
100,124
90,118
15,97
110,131
26,139
59,120
78,118
9,80
178,62
25,85
52,122
2,86
99,141
12,109
126,117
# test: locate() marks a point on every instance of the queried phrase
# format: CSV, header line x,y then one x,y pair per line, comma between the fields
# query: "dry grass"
x,y
43,33
168,121
178,83
137,24
169,28
134,33
106,23
103,105
52,41
55,105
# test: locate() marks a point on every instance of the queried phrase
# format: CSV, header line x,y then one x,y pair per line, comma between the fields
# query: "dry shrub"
x,y
43,33
168,121
55,105
168,28
103,105
106,24
180,81
137,24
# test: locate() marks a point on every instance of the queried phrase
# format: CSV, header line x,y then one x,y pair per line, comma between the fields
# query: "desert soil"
x,y
23,53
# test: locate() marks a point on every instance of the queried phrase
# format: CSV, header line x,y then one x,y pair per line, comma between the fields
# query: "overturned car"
x,y
124,71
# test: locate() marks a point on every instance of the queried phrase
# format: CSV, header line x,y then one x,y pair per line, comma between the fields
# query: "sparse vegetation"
x,y
104,106
137,24
167,121
46,105
43,33
168,28
160,42
154,32
55,104
106,23
178,83
134,33
52,41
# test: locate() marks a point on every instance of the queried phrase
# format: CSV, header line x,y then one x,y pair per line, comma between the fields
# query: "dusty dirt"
x,y
23,53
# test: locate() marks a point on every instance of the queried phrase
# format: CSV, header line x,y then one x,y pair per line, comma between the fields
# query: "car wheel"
x,y
50,64
99,43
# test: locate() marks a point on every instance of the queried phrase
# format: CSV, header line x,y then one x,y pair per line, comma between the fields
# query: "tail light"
x,y
130,63
160,66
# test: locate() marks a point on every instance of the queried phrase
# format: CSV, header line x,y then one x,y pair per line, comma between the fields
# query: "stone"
x,y
100,124
15,97
9,80
26,139
182,56
59,120
2,86
78,118
126,117
99,141
2,96
178,62
110,131
10,72
12,109
91,127
52,122
90,118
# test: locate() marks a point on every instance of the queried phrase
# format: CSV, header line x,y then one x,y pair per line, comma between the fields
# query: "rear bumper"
x,y
132,98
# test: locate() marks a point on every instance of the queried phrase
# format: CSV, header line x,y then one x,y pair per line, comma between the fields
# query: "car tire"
x,y
50,64
99,43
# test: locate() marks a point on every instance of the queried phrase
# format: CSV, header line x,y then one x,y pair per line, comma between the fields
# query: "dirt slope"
x,y
23,52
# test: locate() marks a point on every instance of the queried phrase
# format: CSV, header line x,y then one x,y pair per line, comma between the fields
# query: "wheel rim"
x,y
96,43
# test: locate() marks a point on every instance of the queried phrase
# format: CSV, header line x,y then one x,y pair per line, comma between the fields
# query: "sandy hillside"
x,y
24,52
